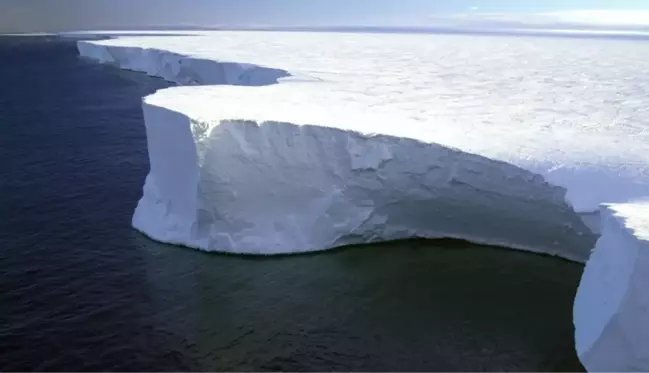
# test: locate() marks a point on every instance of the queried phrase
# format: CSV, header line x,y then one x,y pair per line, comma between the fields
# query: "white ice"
x,y
571,111
611,309
356,138
271,178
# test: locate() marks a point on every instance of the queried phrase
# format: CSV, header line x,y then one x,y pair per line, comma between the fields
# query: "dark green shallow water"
x,y
80,290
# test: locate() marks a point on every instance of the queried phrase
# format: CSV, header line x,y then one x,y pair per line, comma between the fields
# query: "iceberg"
x,y
324,152
289,175
550,116
611,310
179,69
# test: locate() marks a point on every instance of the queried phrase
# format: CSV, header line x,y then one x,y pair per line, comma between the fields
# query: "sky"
x,y
63,15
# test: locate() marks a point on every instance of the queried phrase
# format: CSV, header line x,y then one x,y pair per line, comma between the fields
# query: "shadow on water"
x,y
82,291
408,305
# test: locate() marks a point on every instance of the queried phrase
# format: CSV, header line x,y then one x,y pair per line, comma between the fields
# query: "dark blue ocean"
x,y
80,290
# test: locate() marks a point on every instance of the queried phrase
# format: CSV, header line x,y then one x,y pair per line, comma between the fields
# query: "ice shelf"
x,y
611,311
262,170
327,151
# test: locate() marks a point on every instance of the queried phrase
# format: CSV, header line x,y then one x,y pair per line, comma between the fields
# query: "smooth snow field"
x,y
288,142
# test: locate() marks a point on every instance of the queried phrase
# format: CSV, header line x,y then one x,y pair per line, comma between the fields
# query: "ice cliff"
x,y
611,309
180,69
333,172
297,166
262,180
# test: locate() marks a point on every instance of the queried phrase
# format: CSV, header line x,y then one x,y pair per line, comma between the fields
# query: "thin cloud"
x,y
576,19
603,17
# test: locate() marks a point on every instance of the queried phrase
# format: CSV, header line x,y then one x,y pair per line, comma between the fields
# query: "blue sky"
x,y
49,15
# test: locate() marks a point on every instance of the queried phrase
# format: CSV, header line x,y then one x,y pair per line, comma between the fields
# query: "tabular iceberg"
x,y
262,181
295,167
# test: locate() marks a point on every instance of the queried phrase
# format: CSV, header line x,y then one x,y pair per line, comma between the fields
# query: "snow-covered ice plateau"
x,y
611,310
348,138
573,111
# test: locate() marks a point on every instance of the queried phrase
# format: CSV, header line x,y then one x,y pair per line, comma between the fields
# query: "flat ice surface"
x,y
572,110
611,309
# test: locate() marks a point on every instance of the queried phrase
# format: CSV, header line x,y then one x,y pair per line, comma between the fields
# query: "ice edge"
x,y
611,302
187,70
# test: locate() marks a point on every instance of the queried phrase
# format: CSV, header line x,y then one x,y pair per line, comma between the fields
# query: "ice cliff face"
x,y
268,187
180,69
301,167
611,309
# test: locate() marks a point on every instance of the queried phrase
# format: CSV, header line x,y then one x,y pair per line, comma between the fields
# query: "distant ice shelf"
x,y
273,177
317,157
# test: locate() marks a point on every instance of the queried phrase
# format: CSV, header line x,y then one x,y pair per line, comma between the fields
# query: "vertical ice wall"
x,y
611,311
